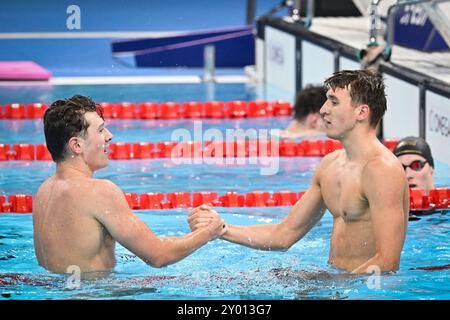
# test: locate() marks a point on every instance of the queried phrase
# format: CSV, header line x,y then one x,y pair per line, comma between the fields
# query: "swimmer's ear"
x,y
363,112
74,145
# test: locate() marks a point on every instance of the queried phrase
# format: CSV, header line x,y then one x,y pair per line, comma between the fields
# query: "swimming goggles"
x,y
416,165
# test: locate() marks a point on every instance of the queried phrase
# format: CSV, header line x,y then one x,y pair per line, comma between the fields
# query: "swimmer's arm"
x,y
385,194
131,232
302,217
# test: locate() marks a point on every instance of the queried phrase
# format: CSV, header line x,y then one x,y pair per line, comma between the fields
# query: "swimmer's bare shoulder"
x,y
106,197
328,161
105,186
384,167
44,188
41,200
383,179
329,158
110,208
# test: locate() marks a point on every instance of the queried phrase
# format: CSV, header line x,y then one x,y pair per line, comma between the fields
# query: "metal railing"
x,y
433,12
294,9
435,15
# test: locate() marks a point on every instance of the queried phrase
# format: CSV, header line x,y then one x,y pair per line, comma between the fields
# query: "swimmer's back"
x,y
65,229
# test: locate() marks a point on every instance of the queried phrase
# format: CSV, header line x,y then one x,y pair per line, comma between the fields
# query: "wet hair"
x,y
365,87
309,100
65,119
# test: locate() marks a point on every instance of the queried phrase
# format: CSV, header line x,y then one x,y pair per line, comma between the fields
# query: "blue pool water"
x,y
47,93
219,270
222,270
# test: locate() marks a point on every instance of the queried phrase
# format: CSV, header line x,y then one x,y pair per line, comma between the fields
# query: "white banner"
x,y
317,64
402,114
280,62
437,128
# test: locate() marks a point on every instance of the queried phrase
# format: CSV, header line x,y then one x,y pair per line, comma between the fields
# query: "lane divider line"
x,y
235,109
192,149
437,199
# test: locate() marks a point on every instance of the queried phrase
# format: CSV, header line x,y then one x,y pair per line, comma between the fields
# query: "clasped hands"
x,y
205,217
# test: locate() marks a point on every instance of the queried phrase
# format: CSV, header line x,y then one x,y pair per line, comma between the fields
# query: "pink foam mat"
x,y
23,70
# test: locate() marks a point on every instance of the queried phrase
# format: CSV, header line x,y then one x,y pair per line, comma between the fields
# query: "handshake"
x,y
205,217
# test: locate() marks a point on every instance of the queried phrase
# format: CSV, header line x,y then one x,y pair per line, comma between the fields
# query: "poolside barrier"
x,y
437,199
165,110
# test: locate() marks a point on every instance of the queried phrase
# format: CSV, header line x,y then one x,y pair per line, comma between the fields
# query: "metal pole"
x,y
309,13
209,63
296,10
422,110
251,8
374,23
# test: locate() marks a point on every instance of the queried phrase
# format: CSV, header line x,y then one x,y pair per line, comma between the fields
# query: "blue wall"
x,y
125,15
93,56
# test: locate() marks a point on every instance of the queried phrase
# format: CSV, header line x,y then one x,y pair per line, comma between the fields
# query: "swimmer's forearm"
x,y
263,237
377,264
175,249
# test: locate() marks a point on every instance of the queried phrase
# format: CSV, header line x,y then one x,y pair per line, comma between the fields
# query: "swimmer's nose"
x,y
109,136
323,110
409,175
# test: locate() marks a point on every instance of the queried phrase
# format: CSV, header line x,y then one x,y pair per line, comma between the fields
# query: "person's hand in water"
x,y
205,217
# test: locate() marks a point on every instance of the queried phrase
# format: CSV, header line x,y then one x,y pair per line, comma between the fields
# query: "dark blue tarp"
x,y
234,47
414,30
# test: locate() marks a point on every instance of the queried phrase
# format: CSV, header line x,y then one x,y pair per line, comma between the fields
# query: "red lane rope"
x,y
165,110
432,268
191,149
437,199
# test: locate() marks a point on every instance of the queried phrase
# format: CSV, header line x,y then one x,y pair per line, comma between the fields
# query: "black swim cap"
x,y
414,145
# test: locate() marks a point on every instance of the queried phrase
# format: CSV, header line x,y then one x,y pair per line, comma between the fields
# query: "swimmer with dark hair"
x,y
307,121
363,186
78,219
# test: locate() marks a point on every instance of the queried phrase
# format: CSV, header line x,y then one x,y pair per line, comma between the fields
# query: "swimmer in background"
x,y
363,186
78,219
307,121
415,155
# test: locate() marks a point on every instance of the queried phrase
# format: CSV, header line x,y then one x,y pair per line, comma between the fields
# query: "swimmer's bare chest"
x,y
341,190
352,239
